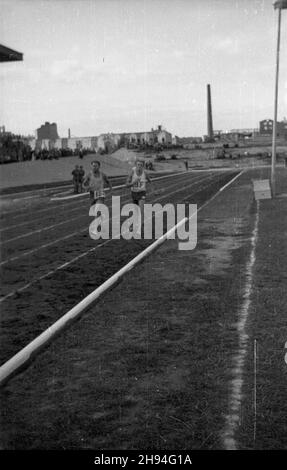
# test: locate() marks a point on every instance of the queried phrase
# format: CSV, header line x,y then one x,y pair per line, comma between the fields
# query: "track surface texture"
x,y
38,287
149,366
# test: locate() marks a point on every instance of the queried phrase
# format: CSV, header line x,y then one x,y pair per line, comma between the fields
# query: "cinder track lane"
x,y
25,315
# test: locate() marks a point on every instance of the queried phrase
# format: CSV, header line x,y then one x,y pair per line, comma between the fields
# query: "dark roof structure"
x,y
9,55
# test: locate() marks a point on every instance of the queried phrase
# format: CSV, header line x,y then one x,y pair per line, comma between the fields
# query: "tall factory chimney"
x,y
209,114
69,133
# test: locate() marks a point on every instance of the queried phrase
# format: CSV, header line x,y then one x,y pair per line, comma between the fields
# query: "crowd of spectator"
x,y
14,148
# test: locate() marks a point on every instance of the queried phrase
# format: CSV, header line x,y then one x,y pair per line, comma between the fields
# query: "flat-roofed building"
x,y
266,127
47,131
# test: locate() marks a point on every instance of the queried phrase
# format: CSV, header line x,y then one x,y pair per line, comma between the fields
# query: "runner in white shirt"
x,y
137,181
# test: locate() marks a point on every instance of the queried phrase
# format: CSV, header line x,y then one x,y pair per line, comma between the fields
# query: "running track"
x,y
48,261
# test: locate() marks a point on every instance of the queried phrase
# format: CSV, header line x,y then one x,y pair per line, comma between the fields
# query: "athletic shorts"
x,y
95,195
137,196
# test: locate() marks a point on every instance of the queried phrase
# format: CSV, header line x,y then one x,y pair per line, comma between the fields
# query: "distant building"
x,y
47,131
9,55
47,138
190,140
108,142
154,136
266,128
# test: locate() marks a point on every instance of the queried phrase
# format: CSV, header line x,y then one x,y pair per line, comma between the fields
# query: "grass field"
x,y
267,428
52,171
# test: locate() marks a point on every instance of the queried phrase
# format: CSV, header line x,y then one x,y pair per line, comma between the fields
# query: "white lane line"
x,y
32,193
10,227
10,294
76,196
50,227
194,170
66,207
24,198
40,230
19,193
17,214
232,419
64,192
23,356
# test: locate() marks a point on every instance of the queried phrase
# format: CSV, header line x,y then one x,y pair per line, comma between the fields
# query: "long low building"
x,y
107,142
155,136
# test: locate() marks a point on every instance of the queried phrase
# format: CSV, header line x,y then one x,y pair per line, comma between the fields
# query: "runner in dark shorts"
x,y
95,182
137,181
138,196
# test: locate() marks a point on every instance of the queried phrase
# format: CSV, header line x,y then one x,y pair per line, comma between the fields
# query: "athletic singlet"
x,y
96,183
138,182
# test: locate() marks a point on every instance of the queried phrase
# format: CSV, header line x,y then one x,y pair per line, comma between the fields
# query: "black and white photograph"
x,y
143,210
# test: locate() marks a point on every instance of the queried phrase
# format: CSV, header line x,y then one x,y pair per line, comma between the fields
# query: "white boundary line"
x,y
232,418
24,355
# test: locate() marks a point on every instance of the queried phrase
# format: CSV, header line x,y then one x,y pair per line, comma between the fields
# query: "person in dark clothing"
x,y
81,178
76,177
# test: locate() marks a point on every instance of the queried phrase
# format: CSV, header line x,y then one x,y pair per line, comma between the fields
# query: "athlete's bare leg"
x,y
98,220
140,206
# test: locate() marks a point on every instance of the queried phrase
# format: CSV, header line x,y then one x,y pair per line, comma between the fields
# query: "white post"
x,y
279,4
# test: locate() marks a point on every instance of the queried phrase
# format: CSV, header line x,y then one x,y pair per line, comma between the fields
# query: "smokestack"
x,y
209,114
69,133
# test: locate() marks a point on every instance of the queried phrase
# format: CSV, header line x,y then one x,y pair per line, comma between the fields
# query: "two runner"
x,y
95,181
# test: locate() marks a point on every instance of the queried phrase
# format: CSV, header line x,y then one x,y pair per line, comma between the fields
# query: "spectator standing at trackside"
x,y
76,177
81,178
186,164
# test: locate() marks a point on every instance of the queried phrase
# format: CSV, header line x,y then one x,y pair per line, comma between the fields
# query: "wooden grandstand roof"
x,y
9,55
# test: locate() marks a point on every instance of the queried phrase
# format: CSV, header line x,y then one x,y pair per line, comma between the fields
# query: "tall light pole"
x,y
279,5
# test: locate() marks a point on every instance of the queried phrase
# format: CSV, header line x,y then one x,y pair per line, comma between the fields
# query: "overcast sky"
x,y
127,65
